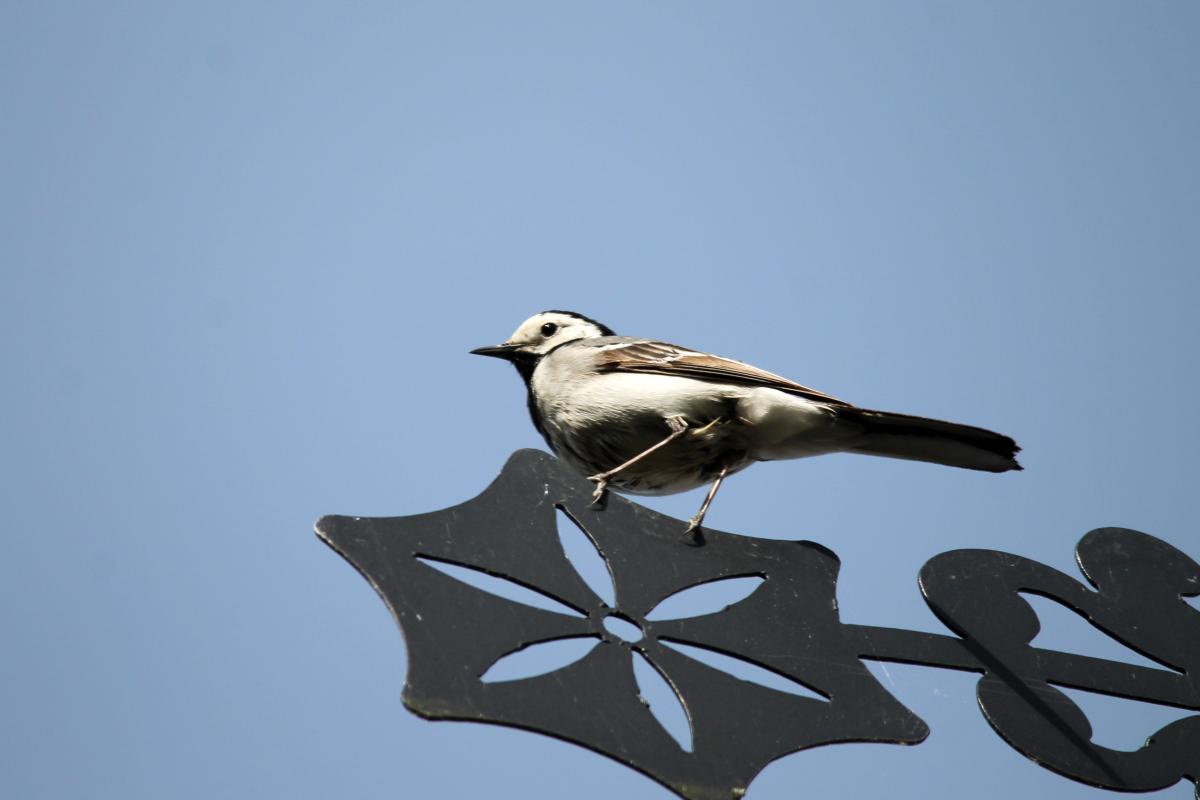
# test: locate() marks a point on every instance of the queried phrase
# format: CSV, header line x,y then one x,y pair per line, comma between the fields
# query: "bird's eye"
x,y
549,328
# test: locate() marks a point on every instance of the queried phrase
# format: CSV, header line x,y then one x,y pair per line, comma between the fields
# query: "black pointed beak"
x,y
505,351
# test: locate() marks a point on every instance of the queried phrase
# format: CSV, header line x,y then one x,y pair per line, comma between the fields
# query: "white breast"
x,y
599,420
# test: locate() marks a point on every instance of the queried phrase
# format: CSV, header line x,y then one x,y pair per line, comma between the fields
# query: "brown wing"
x,y
667,359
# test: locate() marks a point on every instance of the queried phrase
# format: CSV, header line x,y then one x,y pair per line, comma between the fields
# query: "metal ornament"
x,y
789,625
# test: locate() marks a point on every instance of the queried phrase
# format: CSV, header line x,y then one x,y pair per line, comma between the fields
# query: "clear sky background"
x,y
246,247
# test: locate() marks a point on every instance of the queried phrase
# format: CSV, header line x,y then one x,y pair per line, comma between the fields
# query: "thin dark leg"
x,y
695,522
678,426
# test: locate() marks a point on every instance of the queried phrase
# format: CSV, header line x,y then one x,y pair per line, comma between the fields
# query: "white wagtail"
x,y
647,417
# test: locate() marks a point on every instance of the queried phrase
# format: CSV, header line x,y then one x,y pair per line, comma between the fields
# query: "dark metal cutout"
x,y
788,625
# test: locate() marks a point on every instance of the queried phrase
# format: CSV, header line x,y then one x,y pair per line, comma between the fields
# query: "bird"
x,y
646,417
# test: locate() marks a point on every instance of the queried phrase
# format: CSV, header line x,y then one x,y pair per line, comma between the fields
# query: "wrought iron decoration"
x,y
788,625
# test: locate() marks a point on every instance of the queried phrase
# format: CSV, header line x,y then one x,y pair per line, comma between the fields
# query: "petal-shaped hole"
x,y
1194,602
707,598
746,670
1063,629
501,587
1119,723
664,704
586,557
623,629
538,659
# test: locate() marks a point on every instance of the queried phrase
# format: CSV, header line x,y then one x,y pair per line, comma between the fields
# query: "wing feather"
x,y
661,358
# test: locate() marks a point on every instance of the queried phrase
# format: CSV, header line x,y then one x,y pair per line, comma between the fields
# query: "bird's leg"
x,y
678,426
695,522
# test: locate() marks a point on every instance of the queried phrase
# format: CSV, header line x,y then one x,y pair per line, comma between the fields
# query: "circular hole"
x,y
623,629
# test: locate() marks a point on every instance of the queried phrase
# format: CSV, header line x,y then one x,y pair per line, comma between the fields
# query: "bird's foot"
x,y
693,534
601,482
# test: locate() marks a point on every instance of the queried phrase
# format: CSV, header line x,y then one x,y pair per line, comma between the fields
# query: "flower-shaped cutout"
x,y
463,635
618,626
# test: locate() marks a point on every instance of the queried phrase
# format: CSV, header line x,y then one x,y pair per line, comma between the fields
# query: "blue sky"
x,y
246,248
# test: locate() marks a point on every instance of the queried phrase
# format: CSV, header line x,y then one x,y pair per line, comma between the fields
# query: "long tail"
x,y
921,439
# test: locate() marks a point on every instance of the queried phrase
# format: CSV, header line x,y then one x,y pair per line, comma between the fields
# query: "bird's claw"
x,y
693,534
706,428
601,487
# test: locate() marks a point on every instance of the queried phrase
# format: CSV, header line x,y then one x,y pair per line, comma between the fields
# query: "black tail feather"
x,y
932,440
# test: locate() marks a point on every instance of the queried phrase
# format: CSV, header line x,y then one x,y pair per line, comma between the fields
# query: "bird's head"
x,y
541,333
